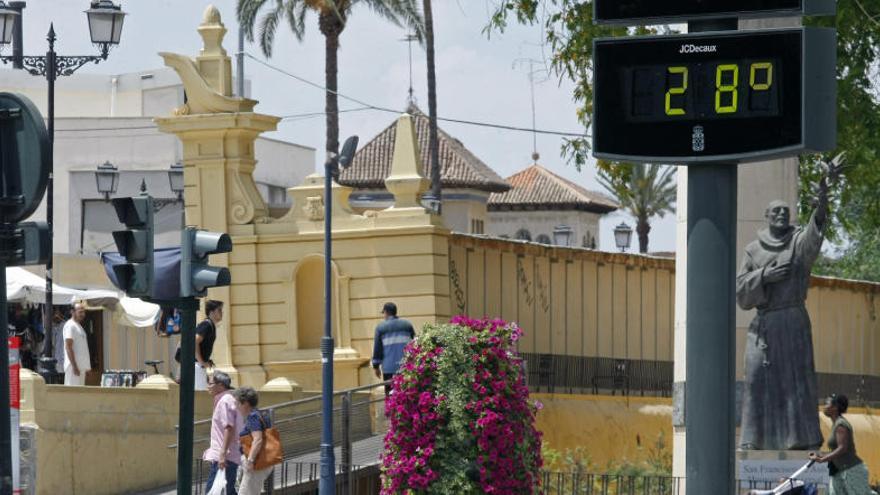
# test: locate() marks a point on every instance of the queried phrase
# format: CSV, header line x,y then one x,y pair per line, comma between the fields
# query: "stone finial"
x,y
406,181
211,15
212,31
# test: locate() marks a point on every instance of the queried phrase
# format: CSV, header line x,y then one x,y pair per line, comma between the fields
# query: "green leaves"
x,y
569,30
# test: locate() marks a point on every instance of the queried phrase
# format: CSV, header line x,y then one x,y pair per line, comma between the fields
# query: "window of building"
x,y
544,239
523,235
477,226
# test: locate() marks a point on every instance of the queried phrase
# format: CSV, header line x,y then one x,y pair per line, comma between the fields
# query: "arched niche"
x,y
306,307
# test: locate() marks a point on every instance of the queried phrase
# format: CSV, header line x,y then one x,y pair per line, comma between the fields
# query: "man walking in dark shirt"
x,y
392,335
206,334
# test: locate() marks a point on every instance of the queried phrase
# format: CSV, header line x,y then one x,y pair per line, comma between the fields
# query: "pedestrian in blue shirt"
x,y
392,335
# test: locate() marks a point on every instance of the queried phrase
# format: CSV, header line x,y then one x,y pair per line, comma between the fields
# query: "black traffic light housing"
x,y
196,276
135,244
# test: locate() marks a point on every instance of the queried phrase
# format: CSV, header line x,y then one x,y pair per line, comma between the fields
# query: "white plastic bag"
x,y
219,485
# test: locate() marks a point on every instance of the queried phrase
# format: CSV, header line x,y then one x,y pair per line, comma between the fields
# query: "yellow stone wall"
x,y
588,303
96,441
569,301
614,429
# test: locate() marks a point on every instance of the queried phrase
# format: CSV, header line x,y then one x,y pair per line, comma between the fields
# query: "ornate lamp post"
x,y
107,179
105,28
623,236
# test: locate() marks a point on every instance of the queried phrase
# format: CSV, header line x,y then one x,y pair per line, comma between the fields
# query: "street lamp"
x,y
107,179
622,236
327,481
105,27
562,235
175,179
7,21
105,24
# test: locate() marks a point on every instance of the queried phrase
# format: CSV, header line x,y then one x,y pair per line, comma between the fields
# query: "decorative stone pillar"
x,y
406,181
218,132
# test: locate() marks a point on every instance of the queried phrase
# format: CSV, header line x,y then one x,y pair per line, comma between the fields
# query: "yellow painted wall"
x,y
589,303
610,429
569,301
614,429
94,441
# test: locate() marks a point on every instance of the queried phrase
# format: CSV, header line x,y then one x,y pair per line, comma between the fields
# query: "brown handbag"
x,y
271,453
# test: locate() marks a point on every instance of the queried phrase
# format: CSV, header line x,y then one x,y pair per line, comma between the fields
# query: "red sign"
x,y
14,367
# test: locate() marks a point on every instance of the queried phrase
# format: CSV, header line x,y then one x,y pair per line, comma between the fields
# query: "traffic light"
x,y
195,273
135,276
25,243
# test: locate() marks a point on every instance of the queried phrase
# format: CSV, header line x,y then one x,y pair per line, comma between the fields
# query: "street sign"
x,y
722,96
196,276
644,12
25,160
135,244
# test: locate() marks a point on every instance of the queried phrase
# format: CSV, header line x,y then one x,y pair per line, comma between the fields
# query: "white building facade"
x,y
109,118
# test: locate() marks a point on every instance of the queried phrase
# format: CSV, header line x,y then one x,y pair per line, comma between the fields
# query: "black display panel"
x,y
646,11
704,97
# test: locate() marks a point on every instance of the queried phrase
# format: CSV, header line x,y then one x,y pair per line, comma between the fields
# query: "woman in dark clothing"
x,y
254,426
849,476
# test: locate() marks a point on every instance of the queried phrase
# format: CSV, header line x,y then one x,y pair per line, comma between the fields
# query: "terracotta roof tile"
x,y
459,167
539,188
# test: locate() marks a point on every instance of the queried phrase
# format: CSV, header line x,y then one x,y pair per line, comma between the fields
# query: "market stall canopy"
x,y
133,312
23,286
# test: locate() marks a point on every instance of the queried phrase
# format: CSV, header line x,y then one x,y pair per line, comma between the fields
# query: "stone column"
x,y
218,132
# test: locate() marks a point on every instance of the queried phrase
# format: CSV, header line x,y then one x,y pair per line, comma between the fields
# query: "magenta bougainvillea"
x,y
460,417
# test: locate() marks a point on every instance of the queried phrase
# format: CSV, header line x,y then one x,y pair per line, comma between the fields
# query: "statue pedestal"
x,y
771,466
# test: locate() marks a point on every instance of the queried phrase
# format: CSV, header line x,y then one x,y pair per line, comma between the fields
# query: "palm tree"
x,y
436,188
332,17
644,190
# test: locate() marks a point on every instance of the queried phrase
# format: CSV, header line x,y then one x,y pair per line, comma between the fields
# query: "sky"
x,y
479,78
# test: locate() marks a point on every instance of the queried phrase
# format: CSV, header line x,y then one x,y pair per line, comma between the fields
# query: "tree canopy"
x,y
569,31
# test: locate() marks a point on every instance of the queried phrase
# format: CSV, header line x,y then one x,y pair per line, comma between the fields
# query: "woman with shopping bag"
x,y
260,445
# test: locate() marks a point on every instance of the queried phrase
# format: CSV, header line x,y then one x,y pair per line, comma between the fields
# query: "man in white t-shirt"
x,y
76,348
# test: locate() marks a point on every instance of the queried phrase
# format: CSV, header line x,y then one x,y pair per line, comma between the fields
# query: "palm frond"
x,y
295,11
402,13
268,25
247,15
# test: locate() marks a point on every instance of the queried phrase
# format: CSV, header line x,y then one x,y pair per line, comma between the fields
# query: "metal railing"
x,y
580,374
602,375
358,422
555,483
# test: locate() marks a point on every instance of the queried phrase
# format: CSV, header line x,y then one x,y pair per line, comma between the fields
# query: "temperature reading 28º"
x,y
744,88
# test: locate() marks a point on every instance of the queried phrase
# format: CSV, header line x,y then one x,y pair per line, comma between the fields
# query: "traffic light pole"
x,y
187,308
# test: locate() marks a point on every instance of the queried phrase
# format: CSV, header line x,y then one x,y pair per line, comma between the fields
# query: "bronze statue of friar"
x,y
780,404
